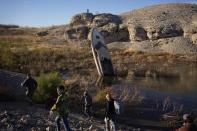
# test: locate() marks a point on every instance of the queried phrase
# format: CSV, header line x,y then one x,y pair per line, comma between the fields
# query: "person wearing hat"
x,y
187,124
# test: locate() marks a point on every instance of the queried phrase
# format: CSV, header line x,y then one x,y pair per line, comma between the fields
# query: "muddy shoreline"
x,y
37,118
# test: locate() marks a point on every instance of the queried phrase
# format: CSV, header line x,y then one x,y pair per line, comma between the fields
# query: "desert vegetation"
x,y
44,52
47,84
35,55
28,53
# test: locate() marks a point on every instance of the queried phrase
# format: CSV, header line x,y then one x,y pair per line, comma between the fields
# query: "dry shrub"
x,y
127,94
47,84
100,96
7,56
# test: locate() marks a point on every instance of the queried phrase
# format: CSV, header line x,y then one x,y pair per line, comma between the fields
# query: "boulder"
x,y
108,24
137,33
76,33
42,33
190,31
104,19
109,32
179,45
165,30
170,30
194,38
83,18
10,85
123,33
113,32
152,33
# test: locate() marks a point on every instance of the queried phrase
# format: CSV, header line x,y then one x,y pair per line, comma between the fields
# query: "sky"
x,y
39,13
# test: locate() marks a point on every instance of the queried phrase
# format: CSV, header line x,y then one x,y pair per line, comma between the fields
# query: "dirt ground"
x,y
21,116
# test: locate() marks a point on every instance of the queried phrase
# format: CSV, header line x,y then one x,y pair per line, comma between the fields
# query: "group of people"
x,y
60,108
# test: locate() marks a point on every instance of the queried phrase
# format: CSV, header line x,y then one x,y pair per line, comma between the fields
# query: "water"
x,y
151,97
181,90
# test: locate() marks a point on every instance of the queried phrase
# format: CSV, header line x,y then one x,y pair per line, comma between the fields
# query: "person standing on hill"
x,y
60,109
110,117
31,85
87,104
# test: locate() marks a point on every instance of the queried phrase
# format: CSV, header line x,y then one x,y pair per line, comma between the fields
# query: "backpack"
x,y
117,107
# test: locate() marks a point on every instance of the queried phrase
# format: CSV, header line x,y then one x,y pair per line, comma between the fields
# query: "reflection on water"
x,y
153,96
182,90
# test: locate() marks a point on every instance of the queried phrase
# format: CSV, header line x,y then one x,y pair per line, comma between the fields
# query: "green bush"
x,y
47,84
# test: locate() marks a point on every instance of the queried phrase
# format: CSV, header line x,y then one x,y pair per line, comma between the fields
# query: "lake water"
x,y
180,90
149,97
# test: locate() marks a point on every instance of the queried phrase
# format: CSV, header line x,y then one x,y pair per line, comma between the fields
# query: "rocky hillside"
x,y
109,25
168,28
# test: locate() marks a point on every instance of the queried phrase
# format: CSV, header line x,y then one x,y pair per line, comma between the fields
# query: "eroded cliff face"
x,y
162,28
109,25
162,21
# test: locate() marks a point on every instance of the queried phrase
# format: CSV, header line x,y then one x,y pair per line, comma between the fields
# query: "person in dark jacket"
x,y
31,85
110,117
60,109
87,104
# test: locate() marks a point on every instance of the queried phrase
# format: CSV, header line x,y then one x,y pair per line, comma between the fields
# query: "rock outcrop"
x,y
162,21
109,25
10,85
42,33
76,33
149,25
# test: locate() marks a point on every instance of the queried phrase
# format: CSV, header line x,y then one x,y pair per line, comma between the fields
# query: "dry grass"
x,y
31,54
35,55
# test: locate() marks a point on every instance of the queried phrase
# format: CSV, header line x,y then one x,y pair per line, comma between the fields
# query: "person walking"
x,y
87,104
31,85
110,118
60,109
